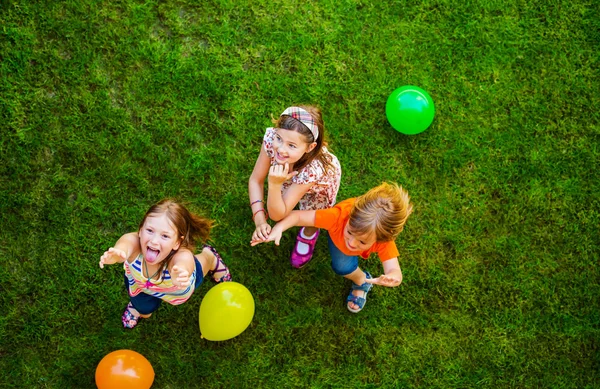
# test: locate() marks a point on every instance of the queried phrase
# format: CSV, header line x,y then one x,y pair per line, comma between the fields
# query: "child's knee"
x,y
343,268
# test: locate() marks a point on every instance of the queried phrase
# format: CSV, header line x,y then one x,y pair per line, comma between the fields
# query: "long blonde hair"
x,y
383,211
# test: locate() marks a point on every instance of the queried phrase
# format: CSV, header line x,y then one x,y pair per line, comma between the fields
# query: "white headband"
x,y
304,117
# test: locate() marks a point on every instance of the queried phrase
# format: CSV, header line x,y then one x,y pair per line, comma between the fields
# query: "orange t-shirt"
x,y
334,220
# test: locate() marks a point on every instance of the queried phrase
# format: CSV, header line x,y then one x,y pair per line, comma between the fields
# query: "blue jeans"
x,y
341,263
146,304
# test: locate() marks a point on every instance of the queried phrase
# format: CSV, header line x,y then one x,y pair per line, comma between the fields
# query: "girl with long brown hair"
x,y
159,262
300,171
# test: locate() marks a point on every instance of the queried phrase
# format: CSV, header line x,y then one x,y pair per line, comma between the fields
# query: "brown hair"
x,y
289,123
187,225
383,211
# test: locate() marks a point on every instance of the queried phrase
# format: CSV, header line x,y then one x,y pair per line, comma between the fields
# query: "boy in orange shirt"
x,y
358,226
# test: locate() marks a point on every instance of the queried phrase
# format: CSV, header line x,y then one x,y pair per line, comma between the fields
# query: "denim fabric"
x,y
341,263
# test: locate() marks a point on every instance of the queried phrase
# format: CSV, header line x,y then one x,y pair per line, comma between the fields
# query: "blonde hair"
x,y
383,211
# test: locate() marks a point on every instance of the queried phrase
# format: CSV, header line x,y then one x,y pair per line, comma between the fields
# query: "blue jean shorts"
x,y
341,263
146,304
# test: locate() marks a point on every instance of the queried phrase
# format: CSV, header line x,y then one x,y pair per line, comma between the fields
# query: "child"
x,y
300,169
158,260
358,226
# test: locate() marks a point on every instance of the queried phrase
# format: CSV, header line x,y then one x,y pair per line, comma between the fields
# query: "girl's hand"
x,y
182,277
384,280
278,174
111,256
262,232
274,236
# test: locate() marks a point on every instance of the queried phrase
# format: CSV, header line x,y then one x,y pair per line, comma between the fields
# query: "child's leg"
x,y
140,306
305,241
207,260
304,247
211,263
310,231
143,304
347,266
358,276
135,312
341,263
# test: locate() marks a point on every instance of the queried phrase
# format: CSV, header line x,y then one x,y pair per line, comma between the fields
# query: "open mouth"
x,y
151,254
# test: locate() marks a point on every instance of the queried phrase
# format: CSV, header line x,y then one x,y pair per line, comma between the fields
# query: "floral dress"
x,y
325,187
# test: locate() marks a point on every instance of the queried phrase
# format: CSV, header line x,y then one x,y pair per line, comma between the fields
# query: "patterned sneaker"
x,y
298,260
129,319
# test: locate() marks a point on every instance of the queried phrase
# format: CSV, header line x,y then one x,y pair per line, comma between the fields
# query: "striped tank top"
x,y
162,289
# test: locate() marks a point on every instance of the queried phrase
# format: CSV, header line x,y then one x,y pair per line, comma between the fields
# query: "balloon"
x,y
226,311
124,369
410,110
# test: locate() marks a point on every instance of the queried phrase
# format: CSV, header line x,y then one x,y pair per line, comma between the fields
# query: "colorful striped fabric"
x,y
162,289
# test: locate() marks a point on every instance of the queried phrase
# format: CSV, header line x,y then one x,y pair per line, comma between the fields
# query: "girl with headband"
x,y
300,170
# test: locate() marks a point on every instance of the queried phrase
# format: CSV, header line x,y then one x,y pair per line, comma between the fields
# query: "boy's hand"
x,y
384,280
111,256
262,232
182,277
278,174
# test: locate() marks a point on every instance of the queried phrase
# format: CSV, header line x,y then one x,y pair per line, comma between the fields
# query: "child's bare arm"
x,y
121,251
280,206
256,196
296,218
181,268
392,274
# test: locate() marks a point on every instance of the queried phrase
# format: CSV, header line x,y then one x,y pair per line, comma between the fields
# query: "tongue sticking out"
x,y
151,254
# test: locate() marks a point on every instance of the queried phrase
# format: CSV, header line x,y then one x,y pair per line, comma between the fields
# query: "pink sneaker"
x,y
298,260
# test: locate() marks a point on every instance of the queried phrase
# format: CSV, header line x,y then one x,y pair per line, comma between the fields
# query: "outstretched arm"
x,y
392,274
123,249
296,218
181,268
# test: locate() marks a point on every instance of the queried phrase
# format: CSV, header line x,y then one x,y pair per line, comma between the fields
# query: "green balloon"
x,y
410,110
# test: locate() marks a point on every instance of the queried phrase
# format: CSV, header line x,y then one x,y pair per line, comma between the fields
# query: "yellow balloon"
x,y
226,311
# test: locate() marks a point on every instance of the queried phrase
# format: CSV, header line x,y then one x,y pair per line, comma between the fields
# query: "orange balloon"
x,y
124,369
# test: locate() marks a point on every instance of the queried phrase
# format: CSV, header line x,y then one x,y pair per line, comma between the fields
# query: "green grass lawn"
x,y
108,107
